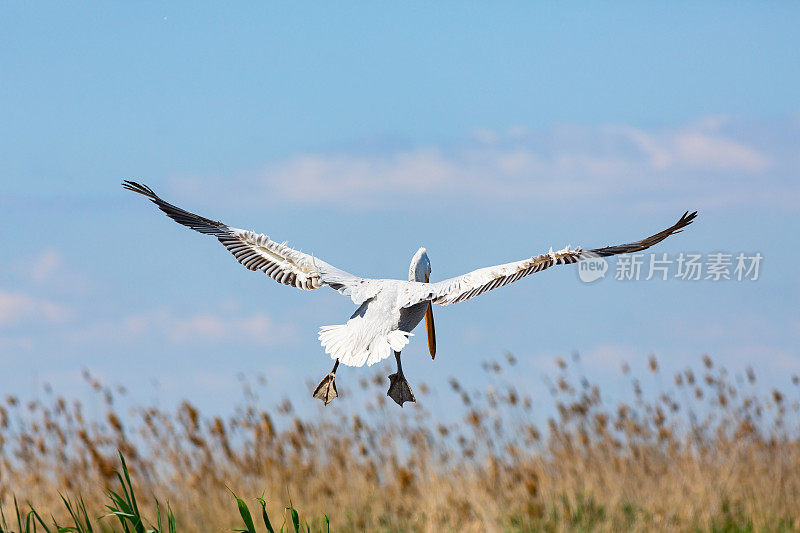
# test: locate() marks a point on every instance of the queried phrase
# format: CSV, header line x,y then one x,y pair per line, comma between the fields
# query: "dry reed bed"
x,y
707,451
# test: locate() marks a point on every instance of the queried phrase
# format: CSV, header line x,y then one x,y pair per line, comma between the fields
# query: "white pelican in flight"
x,y
388,309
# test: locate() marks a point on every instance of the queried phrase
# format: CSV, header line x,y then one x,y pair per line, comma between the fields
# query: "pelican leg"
x,y
326,390
399,390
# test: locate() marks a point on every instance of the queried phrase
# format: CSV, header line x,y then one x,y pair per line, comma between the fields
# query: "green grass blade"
x,y
159,527
295,518
125,497
37,518
19,517
115,510
247,518
86,520
80,518
128,486
3,524
171,524
264,515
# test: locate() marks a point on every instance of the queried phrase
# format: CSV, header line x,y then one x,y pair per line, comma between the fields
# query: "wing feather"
x,y
477,282
256,251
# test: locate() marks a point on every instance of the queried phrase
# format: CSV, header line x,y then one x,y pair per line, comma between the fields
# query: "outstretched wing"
x,y
477,282
257,252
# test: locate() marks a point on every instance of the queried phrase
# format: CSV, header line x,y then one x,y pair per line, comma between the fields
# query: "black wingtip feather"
x,y
686,219
139,188
181,216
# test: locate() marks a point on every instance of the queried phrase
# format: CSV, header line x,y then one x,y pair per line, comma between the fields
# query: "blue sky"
x,y
485,133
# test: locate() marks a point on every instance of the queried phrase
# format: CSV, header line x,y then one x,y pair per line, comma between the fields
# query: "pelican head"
x,y
420,270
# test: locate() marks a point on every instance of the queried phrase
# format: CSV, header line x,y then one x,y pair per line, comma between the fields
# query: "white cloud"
x,y
485,136
780,358
658,155
609,357
606,359
48,268
45,265
169,327
361,180
712,162
16,307
16,344
695,149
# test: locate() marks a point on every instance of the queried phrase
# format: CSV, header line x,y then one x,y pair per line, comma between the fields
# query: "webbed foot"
x,y
326,390
399,390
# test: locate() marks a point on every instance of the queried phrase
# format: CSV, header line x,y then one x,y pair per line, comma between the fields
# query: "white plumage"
x,y
388,310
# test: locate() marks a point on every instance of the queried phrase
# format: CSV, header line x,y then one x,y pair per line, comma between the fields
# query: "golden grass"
x,y
706,452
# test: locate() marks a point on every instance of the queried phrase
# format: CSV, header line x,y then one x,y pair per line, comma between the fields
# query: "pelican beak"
x,y
429,327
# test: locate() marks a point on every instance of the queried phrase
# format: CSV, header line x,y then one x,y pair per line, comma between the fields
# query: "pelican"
x,y
388,310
